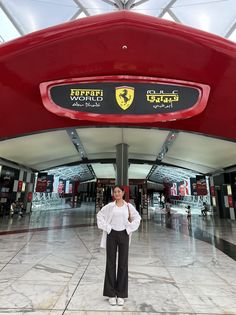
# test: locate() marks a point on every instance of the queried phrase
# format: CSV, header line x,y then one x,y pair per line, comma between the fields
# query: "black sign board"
x,y
128,99
120,98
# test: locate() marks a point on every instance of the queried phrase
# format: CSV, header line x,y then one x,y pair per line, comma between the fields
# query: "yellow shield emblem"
x,y
124,96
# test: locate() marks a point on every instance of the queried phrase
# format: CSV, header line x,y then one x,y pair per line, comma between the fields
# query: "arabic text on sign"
x,y
162,98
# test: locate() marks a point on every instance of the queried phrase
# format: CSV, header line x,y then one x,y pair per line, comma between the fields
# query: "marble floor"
x,y
60,270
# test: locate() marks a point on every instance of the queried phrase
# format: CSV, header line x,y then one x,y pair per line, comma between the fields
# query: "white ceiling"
x,y
185,164
41,150
207,151
101,142
51,149
139,171
104,170
21,17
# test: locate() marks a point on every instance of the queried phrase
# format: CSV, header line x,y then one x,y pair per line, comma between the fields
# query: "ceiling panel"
x,y
100,140
55,162
137,171
206,151
189,165
35,15
94,7
33,150
7,29
143,156
204,15
143,141
151,7
47,150
233,36
104,170
107,171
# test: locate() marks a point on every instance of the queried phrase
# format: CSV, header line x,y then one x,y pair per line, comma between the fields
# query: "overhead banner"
x,y
121,98
184,188
174,189
61,186
41,182
193,186
7,177
201,185
50,179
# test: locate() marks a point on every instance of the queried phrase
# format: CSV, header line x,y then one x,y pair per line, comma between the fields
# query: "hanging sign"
x,y
20,184
41,185
201,185
124,99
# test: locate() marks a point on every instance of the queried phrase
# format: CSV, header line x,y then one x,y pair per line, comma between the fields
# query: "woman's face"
x,y
118,193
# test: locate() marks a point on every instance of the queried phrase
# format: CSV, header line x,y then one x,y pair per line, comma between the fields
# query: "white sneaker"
x,y
120,301
112,301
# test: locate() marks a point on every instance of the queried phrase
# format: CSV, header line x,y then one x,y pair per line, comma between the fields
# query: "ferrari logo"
x,y
124,96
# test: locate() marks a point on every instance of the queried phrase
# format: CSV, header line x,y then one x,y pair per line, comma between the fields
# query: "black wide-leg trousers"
x,y
117,284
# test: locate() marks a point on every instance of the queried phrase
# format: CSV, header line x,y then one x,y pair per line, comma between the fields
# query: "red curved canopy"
x,y
93,47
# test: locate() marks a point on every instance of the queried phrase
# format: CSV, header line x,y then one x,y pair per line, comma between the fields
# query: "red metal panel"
x,y
120,43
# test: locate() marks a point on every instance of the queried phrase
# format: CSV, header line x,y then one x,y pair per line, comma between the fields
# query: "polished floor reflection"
x,y
60,270
218,232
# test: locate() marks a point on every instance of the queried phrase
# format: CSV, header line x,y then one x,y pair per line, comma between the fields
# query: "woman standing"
x,y
118,220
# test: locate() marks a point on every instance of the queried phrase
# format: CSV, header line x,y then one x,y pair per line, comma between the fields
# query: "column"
x,y
122,164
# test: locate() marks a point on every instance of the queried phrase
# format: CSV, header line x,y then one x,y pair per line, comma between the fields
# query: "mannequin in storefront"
x,y
118,220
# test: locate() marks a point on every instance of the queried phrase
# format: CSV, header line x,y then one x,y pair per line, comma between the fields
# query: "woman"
x,y
118,220
188,212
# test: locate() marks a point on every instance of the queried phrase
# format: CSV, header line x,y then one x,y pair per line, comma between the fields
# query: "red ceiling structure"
x,y
93,46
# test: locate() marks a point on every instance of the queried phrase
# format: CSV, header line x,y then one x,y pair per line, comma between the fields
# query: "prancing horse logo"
x,y
124,96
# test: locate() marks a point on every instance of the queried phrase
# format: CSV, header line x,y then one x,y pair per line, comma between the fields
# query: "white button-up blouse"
x,y
105,216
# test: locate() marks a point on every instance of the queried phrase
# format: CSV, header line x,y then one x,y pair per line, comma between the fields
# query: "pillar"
x,y
122,164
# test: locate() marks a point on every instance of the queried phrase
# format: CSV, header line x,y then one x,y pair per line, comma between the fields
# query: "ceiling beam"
x,y
75,139
174,17
170,139
77,13
12,19
138,3
168,10
120,4
231,30
82,7
112,3
129,4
